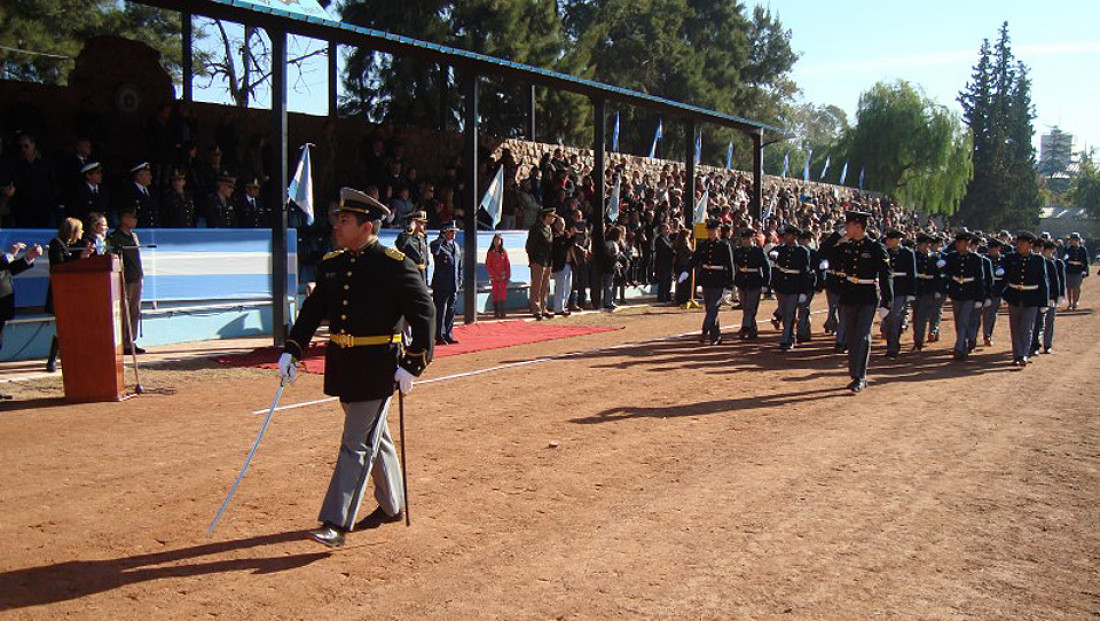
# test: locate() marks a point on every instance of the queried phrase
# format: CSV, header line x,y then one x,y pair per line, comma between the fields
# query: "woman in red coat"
x,y
500,271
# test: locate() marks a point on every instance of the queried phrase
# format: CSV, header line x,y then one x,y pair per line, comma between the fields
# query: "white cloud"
x,y
878,64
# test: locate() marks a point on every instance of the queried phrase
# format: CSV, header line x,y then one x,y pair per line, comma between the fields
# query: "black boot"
x,y
51,364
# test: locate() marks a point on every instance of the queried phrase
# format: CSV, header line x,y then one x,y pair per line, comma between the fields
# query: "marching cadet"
x,y
978,247
1056,280
966,289
364,290
868,284
713,258
1077,269
941,285
928,294
791,280
1026,291
903,267
989,313
753,273
413,241
446,277
834,284
817,283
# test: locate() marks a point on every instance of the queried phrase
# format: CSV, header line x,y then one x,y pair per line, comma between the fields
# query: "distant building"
x,y
1058,159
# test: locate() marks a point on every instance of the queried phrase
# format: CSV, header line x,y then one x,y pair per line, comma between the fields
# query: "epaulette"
x,y
334,253
395,254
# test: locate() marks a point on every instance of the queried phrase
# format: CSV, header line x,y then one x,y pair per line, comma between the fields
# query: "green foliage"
x,y
55,31
1004,191
1085,191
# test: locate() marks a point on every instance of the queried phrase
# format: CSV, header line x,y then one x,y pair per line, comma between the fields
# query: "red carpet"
x,y
471,338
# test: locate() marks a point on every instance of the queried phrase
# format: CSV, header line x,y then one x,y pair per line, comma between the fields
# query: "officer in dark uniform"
x,y
791,281
941,286
1056,281
1076,257
1026,291
978,247
363,290
446,277
220,211
868,284
903,267
414,243
753,272
139,194
928,294
966,289
124,242
834,284
252,213
997,287
90,196
713,257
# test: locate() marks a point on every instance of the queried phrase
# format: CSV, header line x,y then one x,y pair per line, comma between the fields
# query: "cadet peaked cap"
x,y
925,238
252,183
894,234
547,212
421,216
791,229
1075,236
964,236
355,201
994,243
90,167
806,234
140,167
227,179
713,223
1027,236
857,216
748,232
448,226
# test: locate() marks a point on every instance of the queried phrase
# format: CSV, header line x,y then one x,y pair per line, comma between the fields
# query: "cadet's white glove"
x,y
941,263
978,304
987,303
883,312
1044,309
683,277
404,380
824,265
802,298
288,369
1061,300
1000,272
1053,303
774,254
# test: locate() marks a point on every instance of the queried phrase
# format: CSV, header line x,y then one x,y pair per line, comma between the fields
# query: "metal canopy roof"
x,y
241,11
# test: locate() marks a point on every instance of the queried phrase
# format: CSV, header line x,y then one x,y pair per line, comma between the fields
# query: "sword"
x,y
404,469
251,453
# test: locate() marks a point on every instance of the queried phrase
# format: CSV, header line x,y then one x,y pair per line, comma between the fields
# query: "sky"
x,y
848,45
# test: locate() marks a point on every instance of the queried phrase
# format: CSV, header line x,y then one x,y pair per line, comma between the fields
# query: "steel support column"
x,y
333,78
277,186
470,197
599,210
757,200
531,114
689,165
187,57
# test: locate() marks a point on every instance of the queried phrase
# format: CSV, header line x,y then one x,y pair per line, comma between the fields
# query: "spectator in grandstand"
x,y
179,206
561,265
538,246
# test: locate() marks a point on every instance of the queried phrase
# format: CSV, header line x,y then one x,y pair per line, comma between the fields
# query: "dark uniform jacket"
x,y
816,272
366,292
834,275
178,210
752,268
86,200
1058,282
663,252
448,266
714,259
220,213
792,273
125,245
1077,260
539,240
965,275
865,264
252,213
997,286
903,267
7,287
928,275
147,204
415,247
1026,280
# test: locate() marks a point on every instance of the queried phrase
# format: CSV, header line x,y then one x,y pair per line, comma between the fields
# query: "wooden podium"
x,y
87,297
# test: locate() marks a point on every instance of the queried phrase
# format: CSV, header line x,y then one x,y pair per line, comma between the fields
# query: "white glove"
x,y
1044,309
727,293
404,380
1000,272
774,254
883,312
1053,303
1061,300
824,265
978,304
941,263
683,277
802,298
288,369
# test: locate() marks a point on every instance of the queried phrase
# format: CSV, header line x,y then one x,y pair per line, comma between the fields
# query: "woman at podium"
x,y
66,246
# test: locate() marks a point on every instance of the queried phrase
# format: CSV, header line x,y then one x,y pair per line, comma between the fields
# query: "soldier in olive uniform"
x,y
866,266
753,273
713,258
364,290
414,242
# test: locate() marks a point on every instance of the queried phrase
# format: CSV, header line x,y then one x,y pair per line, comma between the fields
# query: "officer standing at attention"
x,y
140,195
713,258
989,313
413,241
903,267
865,264
791,281
1077,269
447,257
966,288
1026,291
364,290
753,273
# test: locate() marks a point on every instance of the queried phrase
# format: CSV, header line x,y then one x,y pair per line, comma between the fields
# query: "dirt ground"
x,y
687,482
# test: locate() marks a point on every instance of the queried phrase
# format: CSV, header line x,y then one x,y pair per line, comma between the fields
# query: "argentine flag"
x,y
494,197
656,137
844,172
806,166
729,155
701,207
825,169
300,190
786,164
615,134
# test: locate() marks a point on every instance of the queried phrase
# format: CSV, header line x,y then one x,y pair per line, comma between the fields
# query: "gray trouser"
x,y
1039,329
133,302
750,302
788,307
937,315
804,331
365,449
1048,329
964,312
989,318
899,310
856,321
975,324
832,299
1021,323
922,316
712,299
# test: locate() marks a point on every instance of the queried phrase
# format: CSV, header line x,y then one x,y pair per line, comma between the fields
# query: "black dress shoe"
x,y
786,346
451,340
138,350
857,385
441,341
377,518
329,535
840,349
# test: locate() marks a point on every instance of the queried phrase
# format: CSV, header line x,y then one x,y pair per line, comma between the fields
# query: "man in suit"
x,y
446,277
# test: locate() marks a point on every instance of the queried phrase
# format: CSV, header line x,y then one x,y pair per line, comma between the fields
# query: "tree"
x,y
911,147
1085,191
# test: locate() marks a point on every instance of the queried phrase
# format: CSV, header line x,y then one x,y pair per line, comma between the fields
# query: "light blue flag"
x,y
806,166
844,172
698,147
861,177
614,200
701,207
615,134
729,156
656,137
300,190
494,197
825,169
786,164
